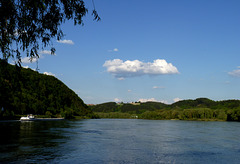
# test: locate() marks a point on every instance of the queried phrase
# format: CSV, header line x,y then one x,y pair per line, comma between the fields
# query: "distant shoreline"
x,y
45,119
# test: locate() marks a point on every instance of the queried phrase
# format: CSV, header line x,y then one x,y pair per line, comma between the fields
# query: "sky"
x,y
156,50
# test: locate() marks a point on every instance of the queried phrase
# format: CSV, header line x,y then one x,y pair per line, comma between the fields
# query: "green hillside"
x,y
198,109
128,107
24,91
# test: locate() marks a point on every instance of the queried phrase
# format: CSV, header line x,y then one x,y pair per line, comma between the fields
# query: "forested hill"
x,y
128,107
151,106
24,91
206,103
198,109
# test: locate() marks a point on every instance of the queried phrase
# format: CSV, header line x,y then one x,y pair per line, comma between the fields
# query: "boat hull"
x,y
27,119
40,119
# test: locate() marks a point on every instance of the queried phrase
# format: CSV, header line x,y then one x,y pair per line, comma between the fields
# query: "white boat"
x,y
29,117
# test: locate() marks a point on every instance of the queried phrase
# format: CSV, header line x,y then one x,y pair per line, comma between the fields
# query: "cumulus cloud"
x,y
155,100
49,73
121,69
117,100
27,60
121,78
65,41
146,100
114,50
158,87
47,52
164,101
18,32
25,67
152,100
177,99
235,73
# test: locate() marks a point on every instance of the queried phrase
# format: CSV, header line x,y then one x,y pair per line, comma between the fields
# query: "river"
x,y
119,141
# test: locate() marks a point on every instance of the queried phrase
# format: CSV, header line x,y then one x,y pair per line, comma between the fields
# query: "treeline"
x,y
199,109
24,91
128,107
194,114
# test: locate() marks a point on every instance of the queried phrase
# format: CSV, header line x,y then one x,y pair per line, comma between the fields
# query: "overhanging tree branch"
x,y
25,25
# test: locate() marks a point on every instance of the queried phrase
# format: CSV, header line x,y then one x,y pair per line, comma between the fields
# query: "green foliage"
x,y
25,24
24,91
185,114
48,114
67,113
115,115
128,108
220,114
233,115
199,109
200,102
105,107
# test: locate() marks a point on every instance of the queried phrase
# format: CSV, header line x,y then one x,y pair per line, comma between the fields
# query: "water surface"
x,y
119,141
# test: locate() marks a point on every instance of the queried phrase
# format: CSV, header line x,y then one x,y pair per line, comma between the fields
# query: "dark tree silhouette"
x,y
28,25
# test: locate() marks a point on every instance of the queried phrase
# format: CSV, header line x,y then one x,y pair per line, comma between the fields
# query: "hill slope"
x,y
128,107
24,91
152,106
198,109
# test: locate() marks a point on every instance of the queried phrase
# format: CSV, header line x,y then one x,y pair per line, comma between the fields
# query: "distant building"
x,y
135,103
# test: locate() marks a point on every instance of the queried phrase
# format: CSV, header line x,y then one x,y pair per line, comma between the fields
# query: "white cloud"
x,y
146,100
47,52
164,101
18,32
235,73
177,99
117,100
129,90
158,87
27,60
133,68
65,41
121,78
153,100
49,73
114,50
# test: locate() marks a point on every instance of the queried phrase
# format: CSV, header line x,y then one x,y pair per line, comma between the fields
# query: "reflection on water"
x,y
119,141
31,141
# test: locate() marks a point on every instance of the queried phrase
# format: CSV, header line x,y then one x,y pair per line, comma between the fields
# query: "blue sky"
x,y
158,50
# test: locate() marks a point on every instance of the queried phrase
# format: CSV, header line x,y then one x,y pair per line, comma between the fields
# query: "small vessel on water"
x,y
29,117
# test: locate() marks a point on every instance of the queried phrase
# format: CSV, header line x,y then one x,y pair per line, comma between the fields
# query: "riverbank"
x,y
199,114
47,119
37,117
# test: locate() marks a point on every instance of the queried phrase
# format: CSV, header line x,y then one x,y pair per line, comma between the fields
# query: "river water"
x,y
119,141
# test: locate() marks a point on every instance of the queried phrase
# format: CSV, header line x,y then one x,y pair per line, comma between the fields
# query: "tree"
x,y
24,24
